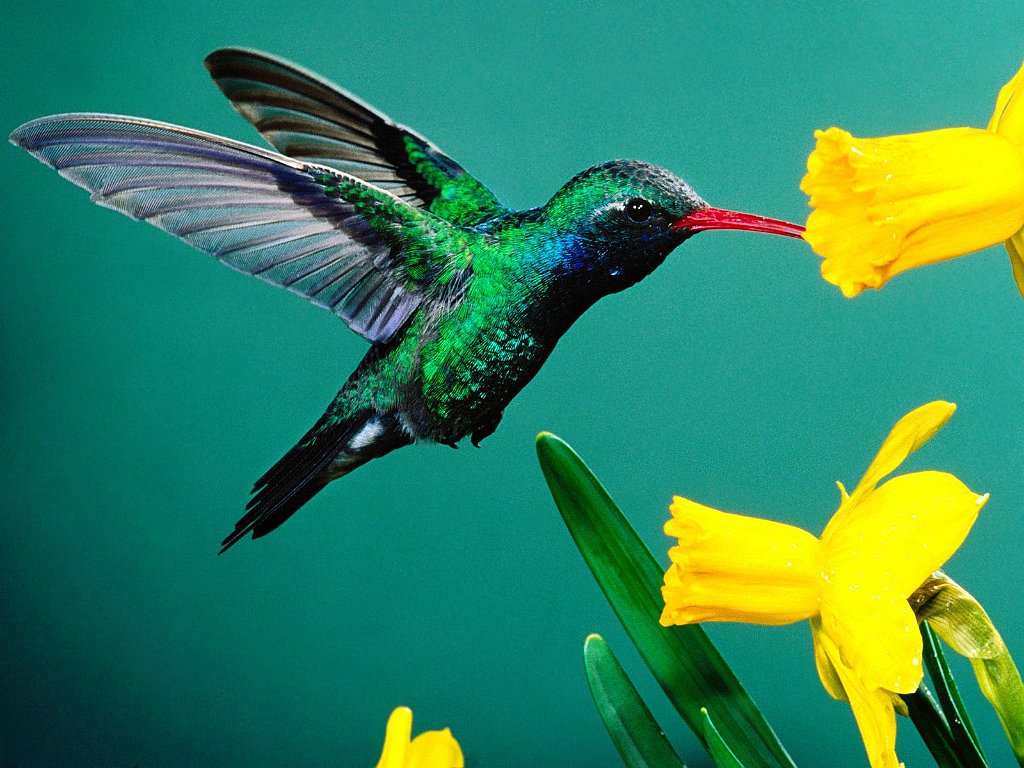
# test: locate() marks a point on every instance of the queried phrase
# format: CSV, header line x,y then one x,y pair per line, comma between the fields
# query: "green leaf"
x,y
964,737
720,752
683,660
959,619
931,724
633,729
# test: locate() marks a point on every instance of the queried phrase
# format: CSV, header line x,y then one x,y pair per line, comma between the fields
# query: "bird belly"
x,y
468,382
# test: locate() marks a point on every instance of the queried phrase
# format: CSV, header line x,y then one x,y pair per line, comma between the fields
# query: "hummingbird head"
x,y
622,218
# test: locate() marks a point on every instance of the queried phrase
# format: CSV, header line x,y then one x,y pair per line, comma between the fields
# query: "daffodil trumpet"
x,y
885,205
852,582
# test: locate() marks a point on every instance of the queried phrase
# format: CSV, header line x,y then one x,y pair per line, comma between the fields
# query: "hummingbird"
x,y
461,298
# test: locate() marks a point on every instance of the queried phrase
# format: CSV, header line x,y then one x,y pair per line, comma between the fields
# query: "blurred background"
x,y
145,386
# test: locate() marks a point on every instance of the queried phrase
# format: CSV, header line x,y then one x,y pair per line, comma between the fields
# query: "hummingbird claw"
x,y
485,430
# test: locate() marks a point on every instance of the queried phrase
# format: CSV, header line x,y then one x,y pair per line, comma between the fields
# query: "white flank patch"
x,y
371,431
407,426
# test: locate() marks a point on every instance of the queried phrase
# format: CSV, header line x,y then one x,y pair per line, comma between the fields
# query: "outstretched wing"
x,y
356,250
311,119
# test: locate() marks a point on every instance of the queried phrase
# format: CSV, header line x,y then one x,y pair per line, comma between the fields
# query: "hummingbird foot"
x,y
485,430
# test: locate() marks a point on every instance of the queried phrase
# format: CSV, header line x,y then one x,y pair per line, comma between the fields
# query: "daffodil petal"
x,y
829,675
435,749
431,749
826,669
396,739
882,206
910,433
893,538
877,635
731,567
872,708
1008,116
1015,247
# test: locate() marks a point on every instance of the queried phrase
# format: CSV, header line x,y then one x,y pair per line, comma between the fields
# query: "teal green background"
x,y
145,386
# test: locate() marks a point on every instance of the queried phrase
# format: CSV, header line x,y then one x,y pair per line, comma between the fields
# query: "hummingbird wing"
x,y
343,244
309,118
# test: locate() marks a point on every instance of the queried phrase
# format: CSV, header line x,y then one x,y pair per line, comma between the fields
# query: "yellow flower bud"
x,y
431,749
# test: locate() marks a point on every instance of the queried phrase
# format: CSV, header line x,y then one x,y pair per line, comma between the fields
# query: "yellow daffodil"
x,y
852,583
883,206
431,749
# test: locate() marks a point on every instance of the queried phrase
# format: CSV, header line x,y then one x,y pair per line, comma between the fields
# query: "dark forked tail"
x,y
332,448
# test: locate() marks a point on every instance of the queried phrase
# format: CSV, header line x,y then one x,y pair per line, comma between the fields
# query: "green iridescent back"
x,y
311,119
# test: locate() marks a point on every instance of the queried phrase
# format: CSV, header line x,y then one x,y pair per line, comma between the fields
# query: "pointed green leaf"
x,y
633,729
931,724
720,752
684,661
964,736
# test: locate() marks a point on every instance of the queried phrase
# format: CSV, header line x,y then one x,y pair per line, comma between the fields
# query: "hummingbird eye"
x,y
638,209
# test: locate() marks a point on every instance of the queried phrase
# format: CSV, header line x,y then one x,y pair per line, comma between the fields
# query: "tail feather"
x,y
270,514
332,448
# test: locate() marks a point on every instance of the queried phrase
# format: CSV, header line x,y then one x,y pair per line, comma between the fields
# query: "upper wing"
x,y
356,250
311,119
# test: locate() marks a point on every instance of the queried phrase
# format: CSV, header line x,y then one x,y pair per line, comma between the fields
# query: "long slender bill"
x,y
718,218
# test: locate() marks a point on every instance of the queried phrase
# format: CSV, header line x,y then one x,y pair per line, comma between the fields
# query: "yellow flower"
x,y
852,583
431,749
882,206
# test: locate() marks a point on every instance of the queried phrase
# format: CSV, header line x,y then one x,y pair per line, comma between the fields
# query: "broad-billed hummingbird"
x,y
461,298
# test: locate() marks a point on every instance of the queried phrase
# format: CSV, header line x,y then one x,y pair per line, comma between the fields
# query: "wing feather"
x,y
309,118
317,232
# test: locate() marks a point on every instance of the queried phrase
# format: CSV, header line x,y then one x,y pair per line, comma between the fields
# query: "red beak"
x,y
717,218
